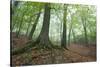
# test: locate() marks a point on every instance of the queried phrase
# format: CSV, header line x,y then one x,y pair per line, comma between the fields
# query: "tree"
x,y
20,24
34,25
84,21
63,40
72,22
70,29
74,37
43,38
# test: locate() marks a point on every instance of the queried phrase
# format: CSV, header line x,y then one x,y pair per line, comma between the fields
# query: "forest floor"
x,y
76,53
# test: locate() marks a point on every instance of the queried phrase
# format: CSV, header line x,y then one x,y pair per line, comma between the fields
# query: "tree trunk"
x,y
85,30
74,37
70,29
29,24
20,24
34,26
85,33
43,38
63,40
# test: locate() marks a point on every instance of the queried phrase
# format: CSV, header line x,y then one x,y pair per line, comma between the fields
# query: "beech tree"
x,y
43,38
63,40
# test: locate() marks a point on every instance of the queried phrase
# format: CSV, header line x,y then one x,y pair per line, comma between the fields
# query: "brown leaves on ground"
x,y
76,53
87,53
18,42
53,56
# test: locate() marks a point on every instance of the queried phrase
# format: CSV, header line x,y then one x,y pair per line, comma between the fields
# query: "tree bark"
x,y
63,40
70,29
20,24
34,26
43,38
74,37
85,30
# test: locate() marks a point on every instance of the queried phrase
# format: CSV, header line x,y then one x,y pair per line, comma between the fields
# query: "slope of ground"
x,y
76,53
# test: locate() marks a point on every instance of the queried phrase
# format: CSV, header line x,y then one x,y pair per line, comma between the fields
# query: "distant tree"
x,y
21,23
74,37
84,23
63,40
69,34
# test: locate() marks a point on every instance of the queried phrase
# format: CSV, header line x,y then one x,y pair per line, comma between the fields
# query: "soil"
x,y
76,53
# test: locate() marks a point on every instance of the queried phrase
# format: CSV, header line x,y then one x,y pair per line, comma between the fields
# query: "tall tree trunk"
x,y
20,24
74,37
28,29
29,24
70,33
34,26
85,30
43,38
63,40
85,33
